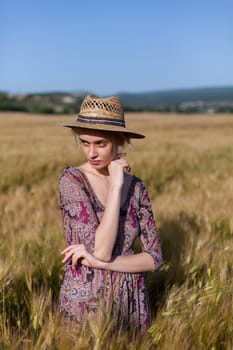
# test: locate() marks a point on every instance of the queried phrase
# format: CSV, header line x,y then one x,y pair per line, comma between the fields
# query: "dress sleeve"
x,y
148,230
78,216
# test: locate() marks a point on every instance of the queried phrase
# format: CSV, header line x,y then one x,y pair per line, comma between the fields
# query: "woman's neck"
x,y
101,172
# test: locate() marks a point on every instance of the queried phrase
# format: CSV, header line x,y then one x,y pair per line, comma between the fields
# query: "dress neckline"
x,y
101,205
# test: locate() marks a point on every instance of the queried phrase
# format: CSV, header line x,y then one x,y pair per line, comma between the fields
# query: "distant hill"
x,y
219,99
203,100
50,103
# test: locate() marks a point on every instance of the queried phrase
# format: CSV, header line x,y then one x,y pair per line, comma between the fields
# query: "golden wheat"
x,y
187,164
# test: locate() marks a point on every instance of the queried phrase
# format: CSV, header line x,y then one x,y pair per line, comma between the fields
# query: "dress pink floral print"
x,y
86,290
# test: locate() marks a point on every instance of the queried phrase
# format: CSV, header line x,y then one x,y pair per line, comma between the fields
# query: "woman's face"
x,y
98,149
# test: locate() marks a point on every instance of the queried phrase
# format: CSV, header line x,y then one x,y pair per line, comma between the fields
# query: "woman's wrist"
x,y
103,265
115,187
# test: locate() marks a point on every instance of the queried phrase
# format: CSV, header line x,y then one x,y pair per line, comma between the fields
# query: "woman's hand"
x,y
116,169
78,253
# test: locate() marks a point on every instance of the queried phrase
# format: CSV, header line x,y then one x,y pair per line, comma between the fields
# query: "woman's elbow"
x,y
102,256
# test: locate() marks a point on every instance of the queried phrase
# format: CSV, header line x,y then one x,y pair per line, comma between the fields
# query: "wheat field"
x,y
187,164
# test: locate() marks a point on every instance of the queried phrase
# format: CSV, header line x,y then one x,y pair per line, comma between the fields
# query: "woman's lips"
x,y
94,162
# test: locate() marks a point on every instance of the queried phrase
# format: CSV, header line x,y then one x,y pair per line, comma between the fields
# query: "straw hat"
x,y
100,113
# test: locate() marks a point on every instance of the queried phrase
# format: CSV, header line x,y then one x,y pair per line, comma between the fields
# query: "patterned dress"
x,y
88,290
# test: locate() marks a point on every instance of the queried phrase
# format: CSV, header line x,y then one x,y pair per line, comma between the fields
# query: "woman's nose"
x,y
92,152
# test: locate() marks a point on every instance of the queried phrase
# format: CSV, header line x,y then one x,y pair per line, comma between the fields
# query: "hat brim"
x,y
129,133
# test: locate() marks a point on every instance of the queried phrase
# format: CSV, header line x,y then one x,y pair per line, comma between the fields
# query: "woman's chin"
x,y
100,167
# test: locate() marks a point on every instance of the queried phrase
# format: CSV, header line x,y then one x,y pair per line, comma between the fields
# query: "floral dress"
x,y
88,290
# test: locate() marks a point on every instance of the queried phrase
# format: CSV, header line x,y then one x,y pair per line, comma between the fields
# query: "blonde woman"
x,y
104,210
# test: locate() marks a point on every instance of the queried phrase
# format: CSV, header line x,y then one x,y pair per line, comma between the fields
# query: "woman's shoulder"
x,y
137,180
71,187
71,175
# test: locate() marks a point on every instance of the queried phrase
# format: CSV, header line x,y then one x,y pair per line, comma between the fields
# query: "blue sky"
x,y
109,46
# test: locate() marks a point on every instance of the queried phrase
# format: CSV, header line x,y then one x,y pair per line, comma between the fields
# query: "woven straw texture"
x,y
94,106
100,113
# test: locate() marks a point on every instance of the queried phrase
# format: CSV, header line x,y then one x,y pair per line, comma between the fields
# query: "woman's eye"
x,y
84,143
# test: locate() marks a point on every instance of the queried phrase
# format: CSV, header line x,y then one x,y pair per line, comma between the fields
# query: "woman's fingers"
x,y
71,250
116,171
75,258
120,155
67,257
124,164
78,253
118,164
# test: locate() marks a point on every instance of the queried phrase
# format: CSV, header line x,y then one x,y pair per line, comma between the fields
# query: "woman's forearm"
x,y
134,263
106,233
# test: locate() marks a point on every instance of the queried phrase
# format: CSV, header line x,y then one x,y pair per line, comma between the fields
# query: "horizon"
x,y
118,92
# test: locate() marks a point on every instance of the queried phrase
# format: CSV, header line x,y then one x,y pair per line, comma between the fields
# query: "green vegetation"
x,y
48,103
199,100
187,164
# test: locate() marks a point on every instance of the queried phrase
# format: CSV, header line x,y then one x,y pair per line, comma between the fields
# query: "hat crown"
x,y
102,113
95,106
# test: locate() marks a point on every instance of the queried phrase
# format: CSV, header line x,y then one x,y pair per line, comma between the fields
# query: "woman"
x,y
104,210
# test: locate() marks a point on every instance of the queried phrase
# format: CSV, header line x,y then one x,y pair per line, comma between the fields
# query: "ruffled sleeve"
x,y
78,216
148,230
